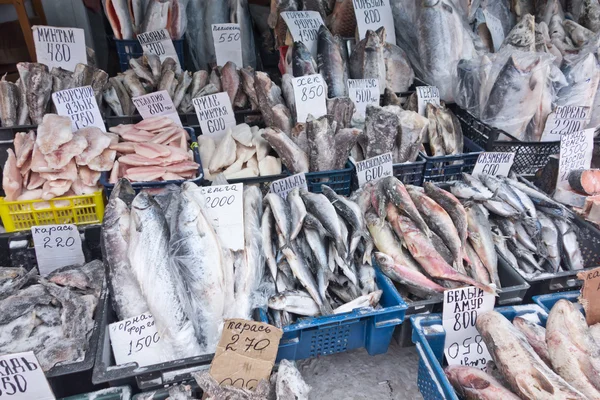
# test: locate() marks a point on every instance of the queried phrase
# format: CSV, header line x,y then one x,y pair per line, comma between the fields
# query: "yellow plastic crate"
x,y
79,210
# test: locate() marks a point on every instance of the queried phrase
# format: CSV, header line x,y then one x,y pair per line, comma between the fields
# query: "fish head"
x,y
384,260
372,41
430,3
277,302
302,60
466,377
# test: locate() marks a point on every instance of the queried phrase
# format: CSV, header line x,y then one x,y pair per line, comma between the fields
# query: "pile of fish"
x,y
560,361
318,253
57,161
241,153
129,18
533,233
152,150
29,99
52,316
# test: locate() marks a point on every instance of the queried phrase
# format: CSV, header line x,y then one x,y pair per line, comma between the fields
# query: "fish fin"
x,y
545,384
466,258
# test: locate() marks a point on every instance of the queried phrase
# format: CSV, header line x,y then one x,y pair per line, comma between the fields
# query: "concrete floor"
x,y
356,375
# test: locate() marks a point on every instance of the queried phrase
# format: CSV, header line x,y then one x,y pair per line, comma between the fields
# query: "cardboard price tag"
x,y
363,92
495,27
224,204
56,246
464,345
80,105
304,27
497,164
425,95
283,186
310,93
158,43
590,295
373,15
215,114
155,105
227,39
136,340
374,169
564,120
245,354
59,47
575,153
23,378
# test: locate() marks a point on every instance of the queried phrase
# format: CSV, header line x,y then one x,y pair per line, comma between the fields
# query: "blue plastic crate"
x,y
429,336
547,301
371,329
113,393
450,168
137,186
411,173
128,49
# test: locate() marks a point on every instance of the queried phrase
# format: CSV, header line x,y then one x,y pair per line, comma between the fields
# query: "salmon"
x,y
586,181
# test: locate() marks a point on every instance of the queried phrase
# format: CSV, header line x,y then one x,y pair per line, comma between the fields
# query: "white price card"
x,y
304,27
373,14
464,345
215,114
494,25
497,164
283,186
136,340
59,47
56,246
310,94
563,120
155,105
425,95
228,44
374,169
80,105
158,43
363,92
575,153
225,205
23,378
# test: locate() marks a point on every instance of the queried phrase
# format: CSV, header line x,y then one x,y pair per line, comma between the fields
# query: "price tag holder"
x,y
590,295
136,340
425,95
283,186
224,204
59,47
494,25
80,105
373,15
363,92
215,114
245,354
491,163
374,169
23,378
575,153
310,93
56,246
304,27
464,345
158,43
155,105
228,44
564,120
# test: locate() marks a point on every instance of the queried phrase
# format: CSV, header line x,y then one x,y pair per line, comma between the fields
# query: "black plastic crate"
x,y
128,49
411,173
451,168
250,117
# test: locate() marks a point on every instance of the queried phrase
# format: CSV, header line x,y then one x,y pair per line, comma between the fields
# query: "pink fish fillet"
x,y
114,138
169,176
87,176
123,147
60,157
35,181
138,161
26,167
138,136
69,173
114,173
53,132
104,162
81,189
38,161
97,143
166,136
55,189
173,158
154,123
182,167
152,150
12,181
145,174
35,194
24,146
119,129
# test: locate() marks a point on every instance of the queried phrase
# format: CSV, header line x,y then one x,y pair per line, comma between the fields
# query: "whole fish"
x,y
302,61
282,214
266,228
369,300
475,267
330,64
414,281
367,60
536,337
240,14
480,236
342,20
571,252
9,93
463,190
320,253
398,71
504,192
350,212
396,192
550,241
39,89
295,301
473,383
298,212
453,207
319,206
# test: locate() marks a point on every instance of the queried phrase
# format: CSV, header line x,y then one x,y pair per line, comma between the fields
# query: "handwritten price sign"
x,y
56,246
59,47
310,93
136,340
575,153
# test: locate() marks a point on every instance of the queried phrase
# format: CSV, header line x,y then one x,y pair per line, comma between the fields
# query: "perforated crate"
x,y
450,168
547,301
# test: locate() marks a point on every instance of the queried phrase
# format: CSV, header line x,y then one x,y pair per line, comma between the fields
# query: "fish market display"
x,y
52,316
155,149
56,161
26,101
129,18
561,360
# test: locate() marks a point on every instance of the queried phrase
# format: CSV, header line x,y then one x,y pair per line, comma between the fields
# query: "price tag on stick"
x,y
374,169
227,39
373,15
310,94
136,340
304,27
158,43
56,246
575,153
427,94
497,164
23,378
59,47
363,92
224,204
155,105
80,105
245,354
283,186
215,114
464,345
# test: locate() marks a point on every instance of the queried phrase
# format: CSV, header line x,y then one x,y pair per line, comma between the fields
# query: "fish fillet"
x,y
12,182
53,132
